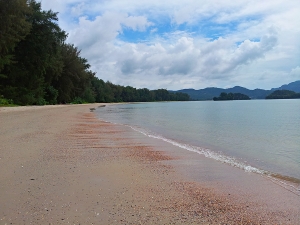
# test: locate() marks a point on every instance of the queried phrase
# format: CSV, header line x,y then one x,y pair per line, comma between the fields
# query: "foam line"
x,y
203,151
221,158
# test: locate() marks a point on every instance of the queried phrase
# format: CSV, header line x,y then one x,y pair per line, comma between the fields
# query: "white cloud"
x,y
139,23
259,41
187,58
296,72
77,10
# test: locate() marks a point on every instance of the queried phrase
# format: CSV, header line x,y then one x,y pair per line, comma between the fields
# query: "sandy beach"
x,y
61,165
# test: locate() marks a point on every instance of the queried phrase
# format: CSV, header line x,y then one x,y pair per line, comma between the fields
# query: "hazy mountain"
x,y
209,93
294,86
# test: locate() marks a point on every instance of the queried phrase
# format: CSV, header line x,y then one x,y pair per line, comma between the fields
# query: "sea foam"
x,y
203,151
294,188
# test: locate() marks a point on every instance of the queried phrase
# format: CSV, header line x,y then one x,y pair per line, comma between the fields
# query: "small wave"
x,y
203,151
275,178
286,182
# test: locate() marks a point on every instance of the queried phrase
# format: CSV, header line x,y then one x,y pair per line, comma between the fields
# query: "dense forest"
x,y
231,96
38,67
283,94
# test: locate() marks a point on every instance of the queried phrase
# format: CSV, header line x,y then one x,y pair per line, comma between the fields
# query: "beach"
x,y
61,165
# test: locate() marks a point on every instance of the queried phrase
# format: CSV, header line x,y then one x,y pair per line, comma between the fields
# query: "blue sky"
x,y
177,44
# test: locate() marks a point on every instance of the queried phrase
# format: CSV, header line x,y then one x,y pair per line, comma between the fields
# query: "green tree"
x,y
38,67
37,58
162,95
283,94
13,28
129,94
73,78
146,95
231,96
98,86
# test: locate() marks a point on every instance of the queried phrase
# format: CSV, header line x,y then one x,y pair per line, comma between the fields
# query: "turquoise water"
x,y
261,136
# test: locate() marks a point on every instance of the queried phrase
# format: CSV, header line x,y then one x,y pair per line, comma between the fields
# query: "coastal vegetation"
x,y
38,67
5,102
231,96
283,94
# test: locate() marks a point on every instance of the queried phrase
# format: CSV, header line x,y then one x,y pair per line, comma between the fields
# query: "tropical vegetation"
x,y
231,96
38,67
283,94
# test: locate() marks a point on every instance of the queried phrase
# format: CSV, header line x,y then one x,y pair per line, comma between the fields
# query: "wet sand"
x,y
61,165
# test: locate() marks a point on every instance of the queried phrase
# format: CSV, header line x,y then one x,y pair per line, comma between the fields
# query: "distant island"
x,y
231,96
211,92
283,94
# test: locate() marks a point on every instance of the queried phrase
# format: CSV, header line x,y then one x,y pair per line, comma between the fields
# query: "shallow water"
x,y
261,136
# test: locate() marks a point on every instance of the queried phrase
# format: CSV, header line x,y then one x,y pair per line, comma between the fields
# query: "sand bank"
x,y
60,165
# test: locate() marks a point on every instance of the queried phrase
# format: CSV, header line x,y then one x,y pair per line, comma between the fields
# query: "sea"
x,y
257,136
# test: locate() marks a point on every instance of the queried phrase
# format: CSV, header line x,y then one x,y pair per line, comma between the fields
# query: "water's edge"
x,y
289,183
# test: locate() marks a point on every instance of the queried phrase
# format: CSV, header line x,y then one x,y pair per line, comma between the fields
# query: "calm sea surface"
x,y
261,136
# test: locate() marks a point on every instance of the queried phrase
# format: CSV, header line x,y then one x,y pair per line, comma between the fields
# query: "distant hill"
x,y
294,86
209,93
283,94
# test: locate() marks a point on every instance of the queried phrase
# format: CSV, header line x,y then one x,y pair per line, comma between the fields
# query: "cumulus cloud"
x,y
105,28
186,57
177,45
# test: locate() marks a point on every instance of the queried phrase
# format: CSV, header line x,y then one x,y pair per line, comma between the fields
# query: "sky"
x,y
178,44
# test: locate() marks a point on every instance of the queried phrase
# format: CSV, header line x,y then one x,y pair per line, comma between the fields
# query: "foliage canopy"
x,y
283,94
231,96
38,67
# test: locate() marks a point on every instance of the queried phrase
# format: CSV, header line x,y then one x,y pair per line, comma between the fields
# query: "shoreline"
x,y
61,164
287,182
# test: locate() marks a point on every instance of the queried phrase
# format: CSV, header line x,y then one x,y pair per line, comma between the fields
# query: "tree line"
x,y
283,94
231,96
38,67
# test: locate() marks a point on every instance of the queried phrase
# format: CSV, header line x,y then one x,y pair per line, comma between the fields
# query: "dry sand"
x,y
60,165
